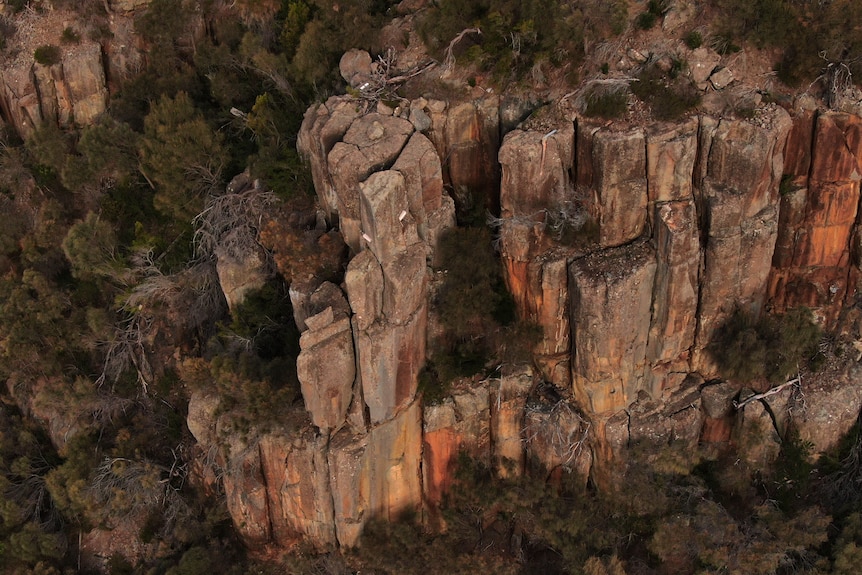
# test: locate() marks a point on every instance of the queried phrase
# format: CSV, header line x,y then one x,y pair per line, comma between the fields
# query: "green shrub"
x,y
747,348
47,55
606,104
668,98
646,20
693,39
69,36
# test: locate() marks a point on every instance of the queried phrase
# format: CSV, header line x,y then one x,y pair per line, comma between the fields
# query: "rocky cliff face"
x,y
73,91
627,245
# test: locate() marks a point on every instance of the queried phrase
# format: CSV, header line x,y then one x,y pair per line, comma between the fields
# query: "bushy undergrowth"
x,y
770,347
810,35
669,95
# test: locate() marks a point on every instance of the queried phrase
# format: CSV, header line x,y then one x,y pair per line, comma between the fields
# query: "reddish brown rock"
x,y
818,222
611,295
508,399
459,424
246,498
296,472
828,407
472,135
797,153
390,357
535,171
376,475
326,369
739,198
613,165
675,296
671,151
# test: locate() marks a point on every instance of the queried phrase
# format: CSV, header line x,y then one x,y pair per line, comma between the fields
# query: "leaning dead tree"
x,y
449,58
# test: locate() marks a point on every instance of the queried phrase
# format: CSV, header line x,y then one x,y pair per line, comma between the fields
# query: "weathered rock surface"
x,y
829,407
277,491
738,196
326,368
818,215
508,400
71,92
377,474
611,294
690,222
613,165
675,295
458,424
240,273
371,143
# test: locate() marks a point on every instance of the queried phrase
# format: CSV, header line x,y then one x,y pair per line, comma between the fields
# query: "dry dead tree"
x,y
797,381
217,224
382,84
449,59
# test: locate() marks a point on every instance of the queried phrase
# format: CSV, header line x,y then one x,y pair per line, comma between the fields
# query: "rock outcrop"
x,y
628,246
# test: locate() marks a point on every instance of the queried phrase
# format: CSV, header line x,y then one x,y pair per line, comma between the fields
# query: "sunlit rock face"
x,y
627,246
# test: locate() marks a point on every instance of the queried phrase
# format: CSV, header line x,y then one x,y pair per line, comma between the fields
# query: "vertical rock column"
x,y
819,212
742,165
671,155
467,138
611,293
612,164
536,180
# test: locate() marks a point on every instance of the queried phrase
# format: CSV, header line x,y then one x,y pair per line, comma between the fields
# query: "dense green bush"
x,y
810,35
515,35
69,36
601,104
668,97
47,55
748,348
693,39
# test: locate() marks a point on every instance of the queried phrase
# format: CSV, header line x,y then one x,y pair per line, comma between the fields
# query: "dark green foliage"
x,y
471,291
472,304
265,320
693,39
515,35
182,156
668,97
655,10
646,20
7,30
747,348
810,35
607,105
69,36
47,55
331,30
